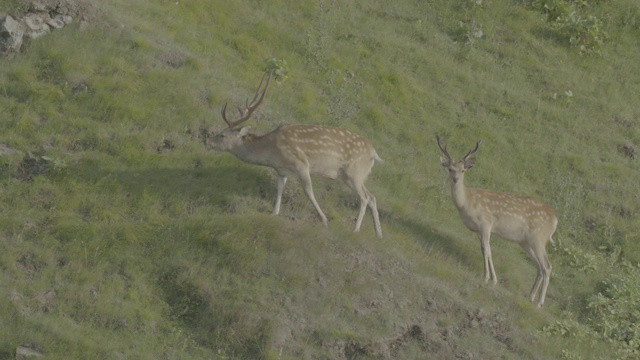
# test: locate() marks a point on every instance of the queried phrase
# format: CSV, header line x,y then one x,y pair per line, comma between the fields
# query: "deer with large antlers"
x,y
302,150
525,220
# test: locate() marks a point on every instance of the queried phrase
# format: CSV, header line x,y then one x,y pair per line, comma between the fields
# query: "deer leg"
x,y
536,287
282,181
539,256
546,273
305,179
538,281
489,271
364,200
374,212
545,270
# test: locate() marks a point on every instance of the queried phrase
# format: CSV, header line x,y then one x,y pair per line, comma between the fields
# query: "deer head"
x,y
457,169
231,137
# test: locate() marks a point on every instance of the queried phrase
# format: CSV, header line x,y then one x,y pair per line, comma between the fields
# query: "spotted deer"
x,y
302,150
525,220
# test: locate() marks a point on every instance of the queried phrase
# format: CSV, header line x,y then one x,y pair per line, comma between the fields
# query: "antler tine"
x,y
473,151
245,113
223,113
443,147
255,104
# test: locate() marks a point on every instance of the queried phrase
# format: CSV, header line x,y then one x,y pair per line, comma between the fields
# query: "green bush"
x,y
584,31
615,310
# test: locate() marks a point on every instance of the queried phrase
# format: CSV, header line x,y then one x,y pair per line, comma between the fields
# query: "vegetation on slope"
x,y
122,237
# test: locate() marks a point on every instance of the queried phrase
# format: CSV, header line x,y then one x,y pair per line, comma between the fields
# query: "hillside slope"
x,y
124,237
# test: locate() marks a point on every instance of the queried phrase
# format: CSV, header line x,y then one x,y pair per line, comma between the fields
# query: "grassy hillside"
x,y
123,237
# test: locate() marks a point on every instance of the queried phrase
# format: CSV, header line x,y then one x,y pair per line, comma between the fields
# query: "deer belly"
x,y
514,229
511,228
327,166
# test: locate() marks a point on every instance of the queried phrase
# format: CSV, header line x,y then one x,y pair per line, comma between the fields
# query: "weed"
x,y
278,67
584,31
614,310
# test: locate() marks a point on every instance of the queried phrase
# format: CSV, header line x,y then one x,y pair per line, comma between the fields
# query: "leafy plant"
x,y
470,30
555,10
580,259
615,310
279,68
584,31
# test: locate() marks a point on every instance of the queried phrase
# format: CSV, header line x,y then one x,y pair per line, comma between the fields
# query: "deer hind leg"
x,y
366,199
282,181
374,212
485,246
539,276
546,279
305,179
539,255
363,209
362,193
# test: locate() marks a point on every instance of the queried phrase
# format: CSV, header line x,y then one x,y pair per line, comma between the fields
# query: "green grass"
x,y
123,237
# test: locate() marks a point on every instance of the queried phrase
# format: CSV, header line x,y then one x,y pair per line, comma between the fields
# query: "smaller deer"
x,y
525,220
302,150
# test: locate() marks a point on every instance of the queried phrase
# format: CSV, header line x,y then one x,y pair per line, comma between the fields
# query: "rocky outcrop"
x,y
11,34
41,18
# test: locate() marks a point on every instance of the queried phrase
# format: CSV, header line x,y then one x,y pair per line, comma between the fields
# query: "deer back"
x,y
325,149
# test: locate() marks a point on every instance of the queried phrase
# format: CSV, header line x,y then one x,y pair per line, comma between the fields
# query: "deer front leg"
x,y
305,179
489,272
282,181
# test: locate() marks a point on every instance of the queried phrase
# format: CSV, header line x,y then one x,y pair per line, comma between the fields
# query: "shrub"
x,y
584,31
615,310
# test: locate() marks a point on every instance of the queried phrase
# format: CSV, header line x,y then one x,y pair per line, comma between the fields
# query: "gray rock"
x,y
11,34
56,22
36,25
23,353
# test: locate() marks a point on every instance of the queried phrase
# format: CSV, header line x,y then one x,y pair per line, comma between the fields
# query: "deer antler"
x,y
443,148
245,113
472,151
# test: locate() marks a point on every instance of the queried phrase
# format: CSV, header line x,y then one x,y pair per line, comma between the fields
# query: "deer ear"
x,y
445,161
468,163
244,131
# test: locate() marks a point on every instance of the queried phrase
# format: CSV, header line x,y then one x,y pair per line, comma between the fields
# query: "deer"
x,y
301,150
525,220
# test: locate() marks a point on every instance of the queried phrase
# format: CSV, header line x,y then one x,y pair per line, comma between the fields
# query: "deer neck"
x,y
254,149
459,194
